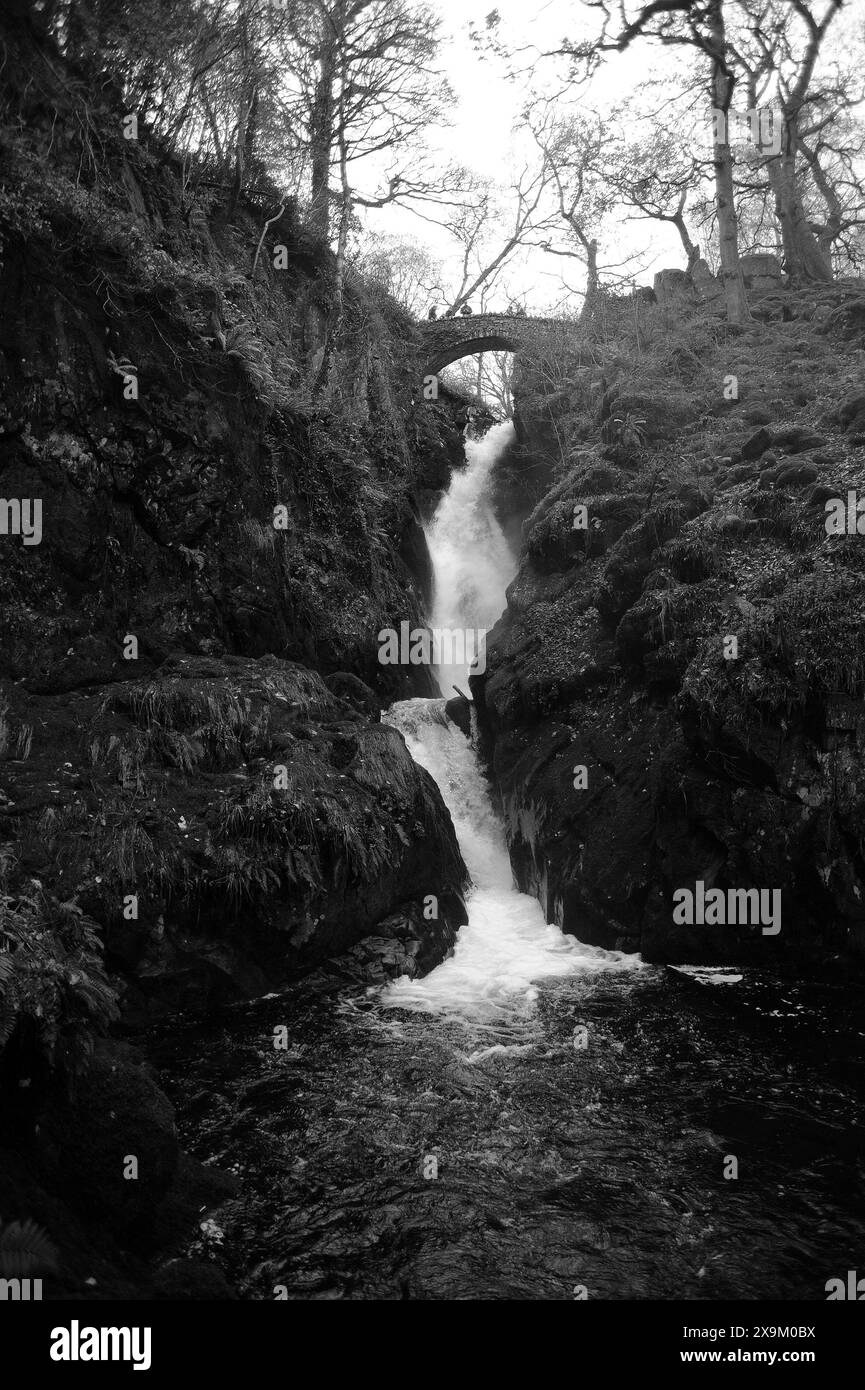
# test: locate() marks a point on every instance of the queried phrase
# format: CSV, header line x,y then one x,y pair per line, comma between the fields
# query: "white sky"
x,y
480,133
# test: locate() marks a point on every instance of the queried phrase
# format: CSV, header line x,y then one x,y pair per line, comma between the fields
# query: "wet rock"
x,y
459,711
350,688
409,944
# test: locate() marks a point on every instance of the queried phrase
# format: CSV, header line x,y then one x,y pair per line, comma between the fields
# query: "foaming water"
x,y
506,946
472,561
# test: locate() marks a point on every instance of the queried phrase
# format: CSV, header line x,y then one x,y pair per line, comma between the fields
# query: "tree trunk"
x,y
691,251
321,139
728,231
251,133
239,160
592,300
803,256
342,239
245,107
829,233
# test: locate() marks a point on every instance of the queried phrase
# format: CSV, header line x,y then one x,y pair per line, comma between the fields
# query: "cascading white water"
x,y
507,945
472,562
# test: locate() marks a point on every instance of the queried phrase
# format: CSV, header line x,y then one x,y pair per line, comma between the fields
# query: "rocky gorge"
x,y
220,1073
681,477
198,800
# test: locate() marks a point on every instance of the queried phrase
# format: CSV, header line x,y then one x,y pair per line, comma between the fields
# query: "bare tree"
x,y
835,157
655,175
403,267
575,156
780,43
365,89
700,26
492,229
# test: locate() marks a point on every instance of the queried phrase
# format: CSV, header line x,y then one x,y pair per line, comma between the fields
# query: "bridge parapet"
x,y
447,340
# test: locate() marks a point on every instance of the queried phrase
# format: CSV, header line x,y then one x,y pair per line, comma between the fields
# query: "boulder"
x,y
705,283
797,439
796,475
673,287
761,271
756,445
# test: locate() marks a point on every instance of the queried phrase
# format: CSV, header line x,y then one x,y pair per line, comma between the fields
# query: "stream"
x,y
537,1118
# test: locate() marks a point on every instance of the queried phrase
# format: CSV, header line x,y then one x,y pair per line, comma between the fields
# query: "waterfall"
x,y
472,562
507,946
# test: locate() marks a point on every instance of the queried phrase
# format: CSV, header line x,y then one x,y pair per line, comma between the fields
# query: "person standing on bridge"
x,y
466,309
433,314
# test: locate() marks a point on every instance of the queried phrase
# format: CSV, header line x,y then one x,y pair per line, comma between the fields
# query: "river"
x,y
537,1118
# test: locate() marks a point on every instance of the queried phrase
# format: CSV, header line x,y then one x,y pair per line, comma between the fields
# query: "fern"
x,y
51,971
8,1004
25,1248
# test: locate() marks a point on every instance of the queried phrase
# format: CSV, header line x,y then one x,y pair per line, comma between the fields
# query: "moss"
x,y
694,556
807,644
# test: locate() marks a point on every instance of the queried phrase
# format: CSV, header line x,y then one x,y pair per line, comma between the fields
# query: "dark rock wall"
x,y
198,801
741,772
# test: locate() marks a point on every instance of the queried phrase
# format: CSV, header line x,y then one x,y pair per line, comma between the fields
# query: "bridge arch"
x,y
488,342
447,340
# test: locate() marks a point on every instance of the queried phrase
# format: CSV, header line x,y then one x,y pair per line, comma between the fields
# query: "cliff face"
x,y
207,518
676,692
188,648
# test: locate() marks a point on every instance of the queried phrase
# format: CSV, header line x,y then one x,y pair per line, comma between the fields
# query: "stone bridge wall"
x,y
446,340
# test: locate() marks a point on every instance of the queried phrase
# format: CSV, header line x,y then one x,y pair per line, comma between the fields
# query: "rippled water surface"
x,y
557,1167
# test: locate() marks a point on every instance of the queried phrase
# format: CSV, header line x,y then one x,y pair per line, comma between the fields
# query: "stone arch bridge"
x,y
447,340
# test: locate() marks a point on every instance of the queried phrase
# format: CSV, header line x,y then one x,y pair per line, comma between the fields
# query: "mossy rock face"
x,y
695,555
631,559
796,475
594,479
663,416
852,415
260,820
705,664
